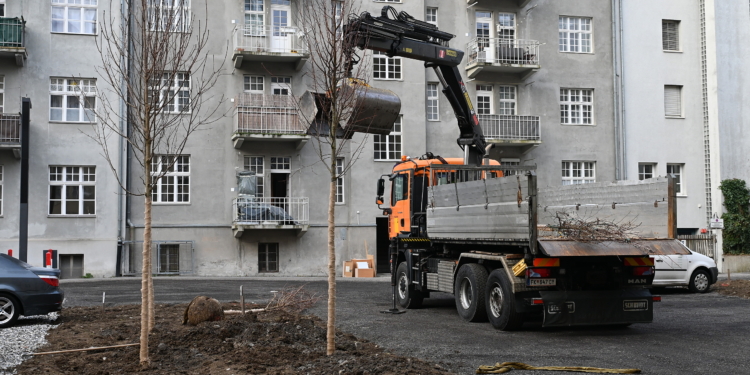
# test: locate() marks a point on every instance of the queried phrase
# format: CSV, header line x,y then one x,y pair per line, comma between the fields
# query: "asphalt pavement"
x,y
691,333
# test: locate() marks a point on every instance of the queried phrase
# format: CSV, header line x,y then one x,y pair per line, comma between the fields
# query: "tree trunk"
x,y
331,336
145,281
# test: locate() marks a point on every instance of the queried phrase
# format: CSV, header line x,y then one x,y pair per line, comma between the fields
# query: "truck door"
x,y
400,217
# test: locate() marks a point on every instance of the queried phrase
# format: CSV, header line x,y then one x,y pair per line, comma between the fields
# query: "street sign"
x,y
717,223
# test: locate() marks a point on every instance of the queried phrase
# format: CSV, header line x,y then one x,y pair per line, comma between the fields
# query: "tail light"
x,y
642,271
537,301
538,272
656,298
51,280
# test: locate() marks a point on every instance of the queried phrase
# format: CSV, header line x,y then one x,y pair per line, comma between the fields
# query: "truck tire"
x,y
468,290
501,304
700,281
408,298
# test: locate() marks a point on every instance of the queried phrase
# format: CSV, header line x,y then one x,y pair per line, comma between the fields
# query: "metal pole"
x,y
23,225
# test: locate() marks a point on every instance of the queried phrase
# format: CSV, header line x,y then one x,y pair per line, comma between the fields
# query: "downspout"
x,y
618,62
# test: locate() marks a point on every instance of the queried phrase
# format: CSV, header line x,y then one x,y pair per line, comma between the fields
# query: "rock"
x,y
203,309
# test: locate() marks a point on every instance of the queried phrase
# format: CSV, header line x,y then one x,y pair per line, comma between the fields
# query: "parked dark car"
x,y
27,290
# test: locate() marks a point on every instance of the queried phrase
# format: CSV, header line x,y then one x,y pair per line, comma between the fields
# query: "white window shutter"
x,y
673,101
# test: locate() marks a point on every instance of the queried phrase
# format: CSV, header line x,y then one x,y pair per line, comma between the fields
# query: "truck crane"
x,y
459,226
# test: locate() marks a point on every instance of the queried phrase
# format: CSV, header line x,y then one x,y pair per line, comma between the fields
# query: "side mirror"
x,y
379,200
380,191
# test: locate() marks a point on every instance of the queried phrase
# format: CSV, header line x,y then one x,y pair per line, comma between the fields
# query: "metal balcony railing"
x,y
10,128
503,51
510,127
267,114
12,31
271,211
269,39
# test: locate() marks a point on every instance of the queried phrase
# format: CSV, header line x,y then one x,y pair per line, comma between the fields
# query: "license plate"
x,y
542,282
556,309
637,305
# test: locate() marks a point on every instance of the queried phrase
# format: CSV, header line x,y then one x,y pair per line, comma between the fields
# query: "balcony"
x,y
10,133
516,57
268,118
269,44
512,130
485,3
12,39
271,214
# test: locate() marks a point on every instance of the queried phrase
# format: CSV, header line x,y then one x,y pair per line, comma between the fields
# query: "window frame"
x,y
666,43
567,102
500,28
181,10
247,84
181,179
488,91
340,189
1,190
575,34
668,101
268,248
502,100
393,66
679,180
84,7
392,143
2,94
387,1
2,13
251,164
571,178
161,266
168,88
643,174
433,101
81,176
73,88
430,12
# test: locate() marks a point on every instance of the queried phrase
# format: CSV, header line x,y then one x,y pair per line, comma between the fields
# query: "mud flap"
x,y
597,307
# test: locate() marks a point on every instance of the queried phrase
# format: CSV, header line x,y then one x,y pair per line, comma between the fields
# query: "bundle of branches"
x,y
292,300
593,229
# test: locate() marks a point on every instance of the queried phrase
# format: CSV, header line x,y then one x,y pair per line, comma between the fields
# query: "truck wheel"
x,y
468,290
700,282
9,310
501,304
408,298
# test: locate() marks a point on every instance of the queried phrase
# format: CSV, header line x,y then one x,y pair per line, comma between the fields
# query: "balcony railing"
x,y
269,39
511,128
498,51
12,31
10,128
267,114
250,211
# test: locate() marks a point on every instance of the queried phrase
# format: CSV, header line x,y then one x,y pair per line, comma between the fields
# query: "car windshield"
x,y
14,260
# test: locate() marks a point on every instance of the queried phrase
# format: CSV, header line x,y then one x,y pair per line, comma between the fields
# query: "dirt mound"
x,y
735,288
264,343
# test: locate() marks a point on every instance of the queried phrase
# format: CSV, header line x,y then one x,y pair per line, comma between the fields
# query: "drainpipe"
x,y
618,68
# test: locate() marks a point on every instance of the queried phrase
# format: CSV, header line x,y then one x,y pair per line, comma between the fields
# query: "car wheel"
x,y
9,310
501,304
408,298
700,282
469,289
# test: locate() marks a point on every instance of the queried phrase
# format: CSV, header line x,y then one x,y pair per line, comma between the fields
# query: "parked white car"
x,y
695,271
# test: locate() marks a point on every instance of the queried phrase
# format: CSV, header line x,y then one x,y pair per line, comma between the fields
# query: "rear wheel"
x,y
700,282
408,298
9,310
501,304
468,291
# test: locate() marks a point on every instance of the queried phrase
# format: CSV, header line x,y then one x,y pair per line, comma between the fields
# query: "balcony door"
x,y
281,33
485,42
281,168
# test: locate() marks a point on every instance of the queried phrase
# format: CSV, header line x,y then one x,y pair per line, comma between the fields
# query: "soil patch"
x,y
275,342
735,288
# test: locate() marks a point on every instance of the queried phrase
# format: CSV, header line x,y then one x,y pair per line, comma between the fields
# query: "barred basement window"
x,y
169,258
268,257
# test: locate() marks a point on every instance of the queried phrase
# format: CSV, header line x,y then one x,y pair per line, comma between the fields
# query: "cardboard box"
x,y
364,272
348,268
371,257
370,263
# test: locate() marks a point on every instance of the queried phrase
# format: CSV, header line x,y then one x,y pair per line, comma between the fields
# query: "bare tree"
x,y
156,62
340,86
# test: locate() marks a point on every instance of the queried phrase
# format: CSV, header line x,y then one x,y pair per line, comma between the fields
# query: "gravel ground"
x,y
19,341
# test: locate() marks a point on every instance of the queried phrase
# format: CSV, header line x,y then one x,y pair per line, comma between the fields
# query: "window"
x,y
433,102
2,8
169,258
340,180
281,164
72,100
2,94
385,67
172,91
510,162
506,26
578,172
388,147
387,1
676,171
255,164
575,34
174,184
672,101
72,190
430,15
1,190
254,84
484,99
268,257
281,85
74,16
400,190
670,35
646,170
168,15
254,21
577,106
507,103
484,25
